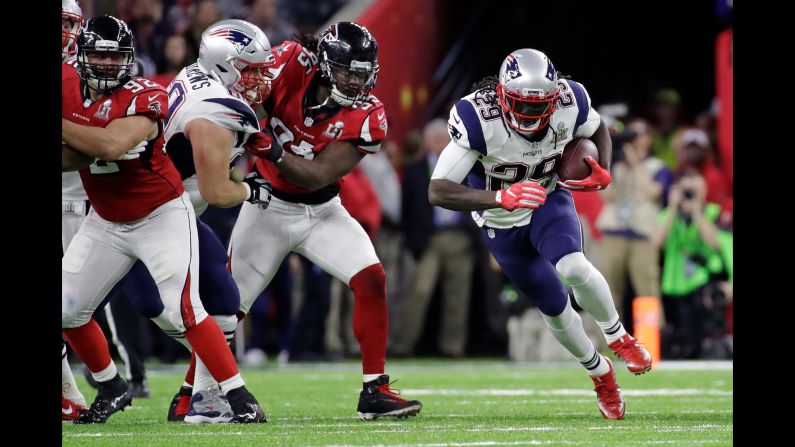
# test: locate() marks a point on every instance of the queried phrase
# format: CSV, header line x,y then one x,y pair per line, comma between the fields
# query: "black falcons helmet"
x,y
105,34
348,57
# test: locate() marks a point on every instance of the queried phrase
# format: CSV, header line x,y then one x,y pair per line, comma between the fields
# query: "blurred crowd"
x,y
663,229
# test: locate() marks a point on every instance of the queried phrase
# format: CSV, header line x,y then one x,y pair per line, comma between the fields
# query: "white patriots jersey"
x,y
71,185
506,157
195,95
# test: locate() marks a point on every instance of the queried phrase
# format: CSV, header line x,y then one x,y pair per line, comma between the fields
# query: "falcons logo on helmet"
x,y
239,39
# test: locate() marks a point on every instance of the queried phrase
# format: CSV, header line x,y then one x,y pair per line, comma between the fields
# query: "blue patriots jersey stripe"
x,y
582,104
476,178
472,124
247,115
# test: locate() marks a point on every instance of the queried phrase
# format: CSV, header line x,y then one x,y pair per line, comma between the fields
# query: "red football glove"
x,y
261,145
599,179
521,195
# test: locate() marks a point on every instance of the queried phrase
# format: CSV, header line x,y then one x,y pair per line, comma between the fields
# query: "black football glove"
x,y
260,189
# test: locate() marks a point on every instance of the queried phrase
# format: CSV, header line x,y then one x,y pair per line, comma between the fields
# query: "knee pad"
x,y
71,315
575,268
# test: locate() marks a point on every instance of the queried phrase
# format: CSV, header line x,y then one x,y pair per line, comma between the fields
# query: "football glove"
x,y
521,195
599,179
259,189
261,145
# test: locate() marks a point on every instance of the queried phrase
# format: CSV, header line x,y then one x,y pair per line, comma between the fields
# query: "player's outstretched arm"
x,y
455,196
333,162
212,148
446,190
112,141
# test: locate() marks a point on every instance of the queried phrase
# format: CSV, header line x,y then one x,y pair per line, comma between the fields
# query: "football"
x,y
573,165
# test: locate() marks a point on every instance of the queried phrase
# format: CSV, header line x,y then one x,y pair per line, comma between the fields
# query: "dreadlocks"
x,y
488,82
306,40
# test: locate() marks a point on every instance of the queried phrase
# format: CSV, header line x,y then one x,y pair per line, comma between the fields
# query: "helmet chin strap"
x,y
339,98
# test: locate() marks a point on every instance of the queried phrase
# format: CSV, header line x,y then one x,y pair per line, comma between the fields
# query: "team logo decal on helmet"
x,y
551,72
238,38
512,69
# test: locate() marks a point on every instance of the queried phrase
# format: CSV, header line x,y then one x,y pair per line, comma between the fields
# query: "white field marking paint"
x,y
566,392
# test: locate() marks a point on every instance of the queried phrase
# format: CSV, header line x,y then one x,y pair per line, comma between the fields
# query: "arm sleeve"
x,y
454,163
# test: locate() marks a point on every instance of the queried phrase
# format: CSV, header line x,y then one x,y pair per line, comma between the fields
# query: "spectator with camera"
x,y
693,265
629,217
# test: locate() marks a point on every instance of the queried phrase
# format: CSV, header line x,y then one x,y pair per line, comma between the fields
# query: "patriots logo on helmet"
x,y
238,38
512,70
550,71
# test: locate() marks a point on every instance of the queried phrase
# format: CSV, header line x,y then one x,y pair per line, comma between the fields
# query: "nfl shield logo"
x,y
308,121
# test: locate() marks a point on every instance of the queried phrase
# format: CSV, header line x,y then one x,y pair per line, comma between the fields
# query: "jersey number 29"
x,y
519,172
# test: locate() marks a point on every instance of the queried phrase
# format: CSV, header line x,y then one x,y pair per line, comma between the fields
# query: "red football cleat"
x,y
635,356
608,394
69,409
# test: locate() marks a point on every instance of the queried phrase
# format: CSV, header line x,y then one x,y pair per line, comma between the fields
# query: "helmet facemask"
x,y
349,84
106,77
70,27
255,80
528,111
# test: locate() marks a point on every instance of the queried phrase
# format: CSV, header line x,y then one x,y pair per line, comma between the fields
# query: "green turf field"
x,y
482,403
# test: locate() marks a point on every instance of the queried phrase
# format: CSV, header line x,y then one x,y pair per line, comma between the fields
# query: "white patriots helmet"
x,y
232,46
71,20
528,90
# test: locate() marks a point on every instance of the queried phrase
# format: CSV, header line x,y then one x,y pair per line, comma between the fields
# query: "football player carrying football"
x,y
507,136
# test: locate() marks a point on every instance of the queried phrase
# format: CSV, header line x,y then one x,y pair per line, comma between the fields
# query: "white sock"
x,y
567,329
371,377
591,292
68,385
231,383
612,330
203,380
106,374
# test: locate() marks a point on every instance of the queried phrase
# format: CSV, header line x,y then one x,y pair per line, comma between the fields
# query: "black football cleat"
x,y
112,396
377,399
179,405
245,407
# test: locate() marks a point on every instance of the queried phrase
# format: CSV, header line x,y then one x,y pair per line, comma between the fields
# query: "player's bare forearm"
x,y
72,160
455,196
110,142
335,161
212,147
603,144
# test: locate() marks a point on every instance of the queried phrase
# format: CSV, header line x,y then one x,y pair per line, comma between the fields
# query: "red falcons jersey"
x,y
305,132
124,190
